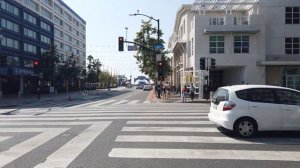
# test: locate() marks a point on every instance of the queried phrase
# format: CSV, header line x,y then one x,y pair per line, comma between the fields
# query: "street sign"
x,y
132,48
159,46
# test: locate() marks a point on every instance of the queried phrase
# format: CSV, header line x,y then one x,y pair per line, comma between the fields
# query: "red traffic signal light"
x,y
121,43
36,67
35,62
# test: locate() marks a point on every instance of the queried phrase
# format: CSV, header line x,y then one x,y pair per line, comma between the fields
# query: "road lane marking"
x,y
133,102
171,122
204,139
4,138
67,153
119,102
170,129
102,103
28,145
204,154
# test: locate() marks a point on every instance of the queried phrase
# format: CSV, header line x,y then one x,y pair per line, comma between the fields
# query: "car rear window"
x,y
221,93
242,94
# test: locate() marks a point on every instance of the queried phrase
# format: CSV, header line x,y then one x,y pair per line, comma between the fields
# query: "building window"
x,y
216,44
292,45
68,17
57,9
30,48
11,43
11,60
68,48
28,63
10,8
10,25
46,13
45,26
241,44
43,50
216,21
241,20
32,4
29,18
292,15
48,2
68,27
58,21
68,38
29,33
45,39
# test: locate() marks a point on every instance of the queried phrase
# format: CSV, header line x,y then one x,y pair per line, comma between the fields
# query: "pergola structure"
x,y
223,5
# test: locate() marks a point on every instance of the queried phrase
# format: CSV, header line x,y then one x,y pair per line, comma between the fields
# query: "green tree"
x,y
48,62
93,69
146,54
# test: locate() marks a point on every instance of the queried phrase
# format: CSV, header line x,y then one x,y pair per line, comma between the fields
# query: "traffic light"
x,y
36,66
202,63
160,70
213,63
121,43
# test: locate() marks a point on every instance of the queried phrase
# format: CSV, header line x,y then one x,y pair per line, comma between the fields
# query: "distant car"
x,y
247,109
147,87
139,86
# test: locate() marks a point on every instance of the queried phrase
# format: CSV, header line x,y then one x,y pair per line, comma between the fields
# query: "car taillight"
x,y
228,106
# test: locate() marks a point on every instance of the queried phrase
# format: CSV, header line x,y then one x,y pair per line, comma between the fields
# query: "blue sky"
x,y
107,19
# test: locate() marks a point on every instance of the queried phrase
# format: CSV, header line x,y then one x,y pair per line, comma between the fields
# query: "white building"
x,y
69,27
252,41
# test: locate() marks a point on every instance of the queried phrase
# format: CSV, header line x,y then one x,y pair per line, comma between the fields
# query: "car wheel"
x,y
245,127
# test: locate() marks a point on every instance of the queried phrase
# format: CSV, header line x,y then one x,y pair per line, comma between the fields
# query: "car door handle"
x,y
287,110
254,106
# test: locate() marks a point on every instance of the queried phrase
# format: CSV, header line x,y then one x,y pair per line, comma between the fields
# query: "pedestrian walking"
x,y
192,92
184,93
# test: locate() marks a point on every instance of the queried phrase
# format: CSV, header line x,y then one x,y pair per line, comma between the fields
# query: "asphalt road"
x,y
123,130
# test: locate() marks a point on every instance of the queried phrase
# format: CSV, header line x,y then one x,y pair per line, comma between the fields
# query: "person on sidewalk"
x,y
184,93
192,92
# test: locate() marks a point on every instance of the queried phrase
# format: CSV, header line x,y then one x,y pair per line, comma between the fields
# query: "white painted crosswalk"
x,y
158,132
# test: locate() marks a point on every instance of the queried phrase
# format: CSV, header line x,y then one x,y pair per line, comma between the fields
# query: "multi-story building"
x,y
69,27
252,41
28,27
24,37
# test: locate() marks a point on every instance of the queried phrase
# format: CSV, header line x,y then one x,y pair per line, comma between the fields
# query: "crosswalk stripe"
x,y
170,122
85,104
122,114
85,111
4,138
204,139
119,102
102,103
146,102
67,153
2,111
101,118
204,154
28,145
43,124
133,102
171,129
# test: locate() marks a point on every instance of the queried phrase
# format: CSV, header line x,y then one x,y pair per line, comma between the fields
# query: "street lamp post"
x,y
158,43
151,18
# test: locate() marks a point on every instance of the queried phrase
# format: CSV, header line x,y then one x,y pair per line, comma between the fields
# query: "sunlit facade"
x,y
254,41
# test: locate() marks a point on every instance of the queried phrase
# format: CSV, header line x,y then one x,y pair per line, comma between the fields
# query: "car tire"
x,y
245,127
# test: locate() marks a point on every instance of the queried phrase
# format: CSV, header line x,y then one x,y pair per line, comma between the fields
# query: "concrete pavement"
x,y
13,101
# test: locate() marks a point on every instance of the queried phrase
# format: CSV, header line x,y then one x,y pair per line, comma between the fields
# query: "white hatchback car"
x,y
246,109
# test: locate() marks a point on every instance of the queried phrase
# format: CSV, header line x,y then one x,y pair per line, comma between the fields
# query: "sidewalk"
x,y
174,98
13,101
